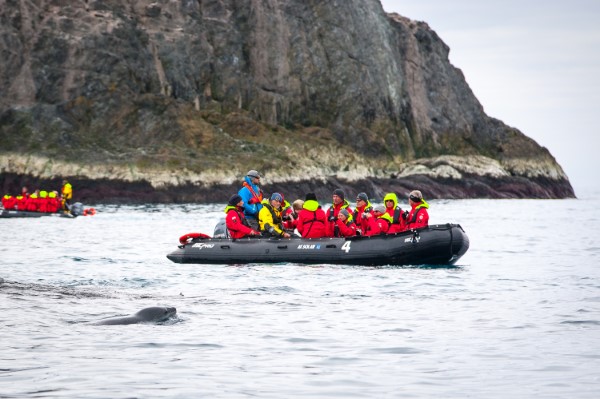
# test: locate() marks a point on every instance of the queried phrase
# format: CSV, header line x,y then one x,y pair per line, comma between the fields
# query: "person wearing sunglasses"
x,y
252,195
363,207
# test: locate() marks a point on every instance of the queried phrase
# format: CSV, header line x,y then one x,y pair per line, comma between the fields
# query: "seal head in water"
x,y
154,314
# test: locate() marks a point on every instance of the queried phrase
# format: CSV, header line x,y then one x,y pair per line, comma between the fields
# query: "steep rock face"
x,y
196,92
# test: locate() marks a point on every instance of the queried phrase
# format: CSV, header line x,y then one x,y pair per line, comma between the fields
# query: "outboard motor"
x,y
77,209
221,230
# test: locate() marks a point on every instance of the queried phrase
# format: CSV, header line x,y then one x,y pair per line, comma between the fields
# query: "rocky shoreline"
x,y
106,191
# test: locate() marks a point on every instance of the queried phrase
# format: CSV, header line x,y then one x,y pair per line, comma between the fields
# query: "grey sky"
x,y
533,64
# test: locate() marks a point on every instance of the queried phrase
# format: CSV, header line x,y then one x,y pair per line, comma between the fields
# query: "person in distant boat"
x,y
9,202
363,206
252,196
32,202
418,216
25,192
67,194
378,222
344,226
53,202
43,201
396,213
312,221
338,203
22,203
236,222
269,217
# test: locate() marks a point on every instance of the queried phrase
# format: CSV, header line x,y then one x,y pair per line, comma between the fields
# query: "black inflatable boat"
x,y
9,213
75,210
433,245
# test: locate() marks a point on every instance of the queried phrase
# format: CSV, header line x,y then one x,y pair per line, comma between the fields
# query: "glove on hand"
x,y
332,218
253,200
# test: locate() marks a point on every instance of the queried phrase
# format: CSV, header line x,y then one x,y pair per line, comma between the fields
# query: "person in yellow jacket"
x,y
269,217
67,194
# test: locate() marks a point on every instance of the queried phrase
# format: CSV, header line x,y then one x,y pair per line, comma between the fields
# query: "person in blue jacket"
x,y
252,196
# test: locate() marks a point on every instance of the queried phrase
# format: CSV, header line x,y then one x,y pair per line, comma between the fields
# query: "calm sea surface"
x,y
517,317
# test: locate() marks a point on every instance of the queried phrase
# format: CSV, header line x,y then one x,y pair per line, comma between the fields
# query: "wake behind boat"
x,y
432,245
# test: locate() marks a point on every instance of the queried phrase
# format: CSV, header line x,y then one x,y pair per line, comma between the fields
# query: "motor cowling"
x,y
77,209
221,230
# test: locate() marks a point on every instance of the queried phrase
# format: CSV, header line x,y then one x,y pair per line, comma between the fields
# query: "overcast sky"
x,y
533,64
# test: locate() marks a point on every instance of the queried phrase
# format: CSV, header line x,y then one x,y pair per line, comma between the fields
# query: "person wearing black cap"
x,y
236,223
269,217
418,216
363,207
310,197
252,196
338,203
312,222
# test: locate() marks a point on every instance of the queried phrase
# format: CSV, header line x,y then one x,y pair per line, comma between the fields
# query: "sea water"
x,y
518,316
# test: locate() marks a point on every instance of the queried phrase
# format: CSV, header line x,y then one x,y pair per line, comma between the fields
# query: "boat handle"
x,y
331,246
225,246
282,246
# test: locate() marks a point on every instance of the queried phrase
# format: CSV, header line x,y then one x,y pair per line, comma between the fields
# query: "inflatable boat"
x,y
433,245
75,210
9,213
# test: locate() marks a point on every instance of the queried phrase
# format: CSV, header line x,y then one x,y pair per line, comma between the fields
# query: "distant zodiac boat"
x,y
76,210
440,244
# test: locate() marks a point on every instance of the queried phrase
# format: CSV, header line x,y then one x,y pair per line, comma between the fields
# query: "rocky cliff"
x,y
174,100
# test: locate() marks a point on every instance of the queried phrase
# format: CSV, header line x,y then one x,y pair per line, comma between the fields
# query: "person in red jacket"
x,y
312,222
22,203
378,222
363,207
418,216
43,201
396,213
290,215
236,222
9,202
53,202
32,203
287,215
344,226
338,203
